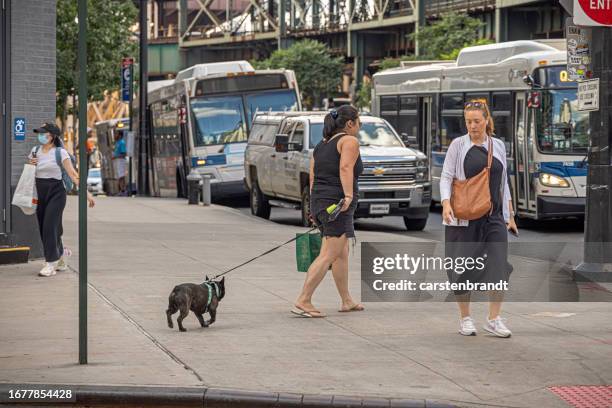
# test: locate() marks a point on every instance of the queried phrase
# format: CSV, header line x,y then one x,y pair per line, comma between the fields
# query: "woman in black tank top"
x,y
334,170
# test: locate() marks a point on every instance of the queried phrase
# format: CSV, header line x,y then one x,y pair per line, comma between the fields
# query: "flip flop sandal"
x,y
356,308
313,314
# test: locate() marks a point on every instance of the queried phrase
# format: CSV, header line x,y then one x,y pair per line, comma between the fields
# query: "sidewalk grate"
x,y
585,396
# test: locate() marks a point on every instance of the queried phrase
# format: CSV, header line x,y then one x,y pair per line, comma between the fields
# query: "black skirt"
x,y
486,237
344,224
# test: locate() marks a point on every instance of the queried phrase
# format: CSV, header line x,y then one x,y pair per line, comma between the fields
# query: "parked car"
x,y
395,180
94,181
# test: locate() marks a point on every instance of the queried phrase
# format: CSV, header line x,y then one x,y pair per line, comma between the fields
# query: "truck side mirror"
x,y
409,141
281,143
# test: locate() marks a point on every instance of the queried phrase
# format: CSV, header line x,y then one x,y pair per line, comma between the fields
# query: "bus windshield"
x,y
275,101
561,128
220,120
370,134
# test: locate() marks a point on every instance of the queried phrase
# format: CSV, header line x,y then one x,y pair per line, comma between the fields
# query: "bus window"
x,y
273,101
408,103
478,97
388,103
408,120
502,101
388,109
451,126
219,120
501,109
452,102
503,129
561,128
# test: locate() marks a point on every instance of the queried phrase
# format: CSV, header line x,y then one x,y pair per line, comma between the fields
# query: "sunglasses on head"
x,y
475,104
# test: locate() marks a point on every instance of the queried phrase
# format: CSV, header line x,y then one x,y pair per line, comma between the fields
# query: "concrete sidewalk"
x,y
140,248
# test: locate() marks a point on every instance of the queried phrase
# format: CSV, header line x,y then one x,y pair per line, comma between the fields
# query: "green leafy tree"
x,y
447,36
364,96
317,71
108,41
443,40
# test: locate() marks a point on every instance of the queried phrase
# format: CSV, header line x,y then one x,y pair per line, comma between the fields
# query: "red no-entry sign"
x,y
593,12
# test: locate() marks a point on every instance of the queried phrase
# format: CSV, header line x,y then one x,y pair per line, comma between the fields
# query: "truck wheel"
x,y
306,208
415,224
260,206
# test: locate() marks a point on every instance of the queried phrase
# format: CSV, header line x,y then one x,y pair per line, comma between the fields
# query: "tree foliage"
x,y
452,32
318,72
443,40
108,41
364,96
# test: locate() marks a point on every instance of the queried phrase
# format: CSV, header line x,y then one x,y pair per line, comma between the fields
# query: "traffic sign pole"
x,y
82,59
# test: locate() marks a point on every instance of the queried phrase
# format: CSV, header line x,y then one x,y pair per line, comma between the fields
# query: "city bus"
x,y
533,103
200,122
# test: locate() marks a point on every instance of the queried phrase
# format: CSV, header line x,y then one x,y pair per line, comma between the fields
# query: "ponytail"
x,y
335,121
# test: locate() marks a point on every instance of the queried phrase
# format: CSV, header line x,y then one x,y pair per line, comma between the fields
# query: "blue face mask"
x,y
43,139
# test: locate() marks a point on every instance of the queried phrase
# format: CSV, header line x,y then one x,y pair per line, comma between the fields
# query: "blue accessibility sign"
x,y
19,129
126,79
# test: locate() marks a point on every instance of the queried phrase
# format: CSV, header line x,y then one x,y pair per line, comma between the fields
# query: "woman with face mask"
x,y
52,194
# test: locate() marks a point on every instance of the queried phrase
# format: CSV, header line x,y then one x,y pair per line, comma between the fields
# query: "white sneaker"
x,y
467,327
48,269
497,327
61,265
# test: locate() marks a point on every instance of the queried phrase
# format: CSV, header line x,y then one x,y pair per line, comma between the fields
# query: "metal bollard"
x,y
206,197
193,188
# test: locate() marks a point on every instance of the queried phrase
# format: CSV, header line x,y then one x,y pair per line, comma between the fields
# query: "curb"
x,y
101,395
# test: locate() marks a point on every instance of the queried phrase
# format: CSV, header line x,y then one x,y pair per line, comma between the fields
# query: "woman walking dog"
x,y
48,157
469,158
334,170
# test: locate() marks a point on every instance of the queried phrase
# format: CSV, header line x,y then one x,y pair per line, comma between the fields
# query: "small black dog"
x,y
200,299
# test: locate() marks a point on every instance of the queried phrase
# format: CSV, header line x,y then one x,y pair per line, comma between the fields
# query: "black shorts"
x,y
341,225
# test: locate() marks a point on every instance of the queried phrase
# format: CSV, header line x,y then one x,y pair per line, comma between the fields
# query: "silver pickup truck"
x,y
395,180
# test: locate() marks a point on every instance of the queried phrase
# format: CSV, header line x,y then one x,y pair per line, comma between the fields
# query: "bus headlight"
x,y
550,180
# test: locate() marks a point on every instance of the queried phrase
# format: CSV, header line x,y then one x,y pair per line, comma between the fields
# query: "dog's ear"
x,y
207,278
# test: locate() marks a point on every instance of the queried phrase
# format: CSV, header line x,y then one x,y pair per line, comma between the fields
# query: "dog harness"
x,y
210,287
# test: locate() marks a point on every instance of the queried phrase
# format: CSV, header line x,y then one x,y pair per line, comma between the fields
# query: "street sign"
x,y
19,128
593,12
578,51
126,79
588,95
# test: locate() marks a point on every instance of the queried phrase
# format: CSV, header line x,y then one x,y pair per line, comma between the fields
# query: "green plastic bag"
x,y
307,248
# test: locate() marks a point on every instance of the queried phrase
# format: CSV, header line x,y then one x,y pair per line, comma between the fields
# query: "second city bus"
x,y
200,122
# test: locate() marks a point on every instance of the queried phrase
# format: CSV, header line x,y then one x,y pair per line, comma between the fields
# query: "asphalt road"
x,y
568,230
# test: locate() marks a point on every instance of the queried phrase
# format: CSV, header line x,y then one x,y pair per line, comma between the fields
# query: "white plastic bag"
x,y
25,194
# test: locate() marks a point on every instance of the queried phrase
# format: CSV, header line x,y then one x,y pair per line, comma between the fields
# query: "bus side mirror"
x,y
528,79
281,143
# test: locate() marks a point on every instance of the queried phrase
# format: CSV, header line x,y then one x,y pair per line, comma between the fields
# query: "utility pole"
x,y
82,62
420,12
597,263
182,28
143,137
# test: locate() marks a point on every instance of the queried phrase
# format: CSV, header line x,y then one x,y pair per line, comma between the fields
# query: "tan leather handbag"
x,y
471,198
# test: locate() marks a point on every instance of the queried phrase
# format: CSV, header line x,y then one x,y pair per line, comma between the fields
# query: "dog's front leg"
x,y
213,315
201,320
